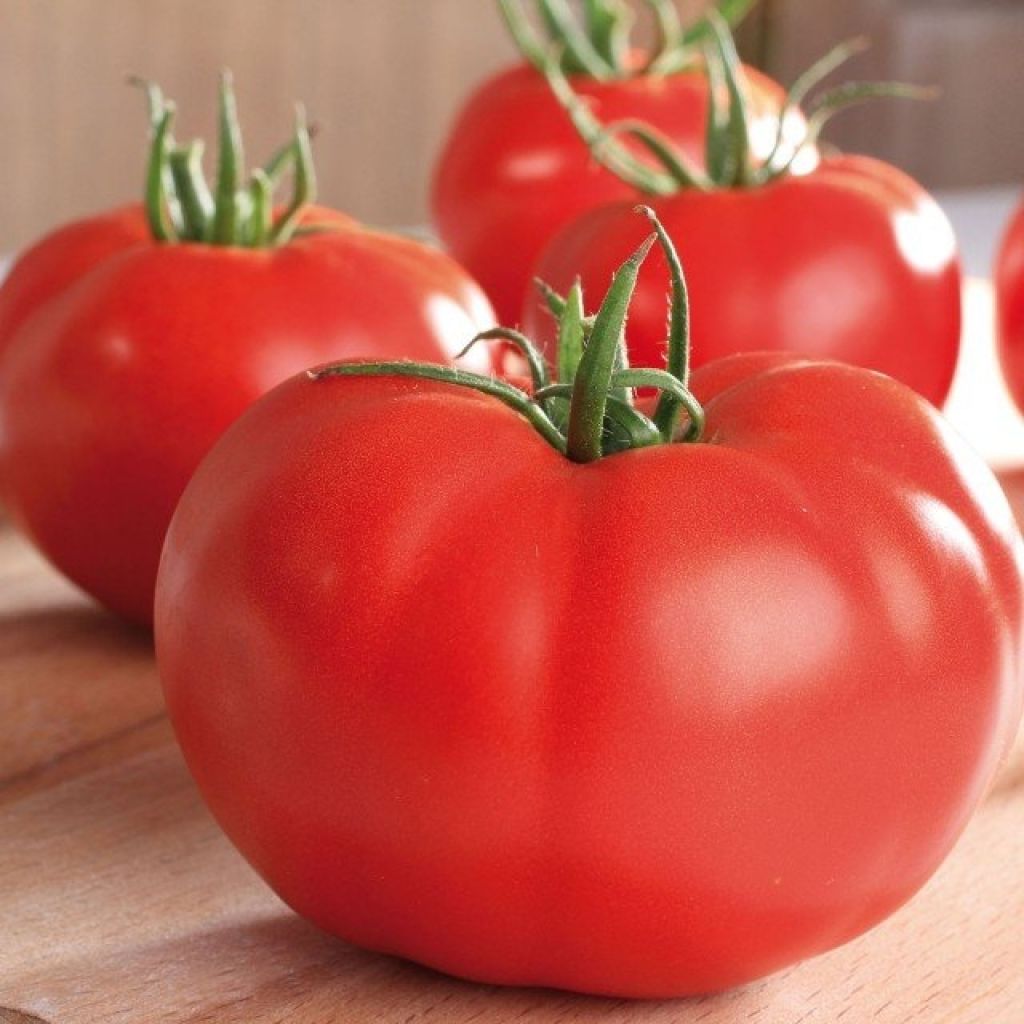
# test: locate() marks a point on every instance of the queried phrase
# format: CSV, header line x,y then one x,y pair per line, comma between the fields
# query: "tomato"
x,y
122,359
651,722
1010,306
853,261
513,171
55,263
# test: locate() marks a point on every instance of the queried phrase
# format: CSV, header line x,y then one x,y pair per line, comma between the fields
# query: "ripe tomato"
x,y
853,261
122,359
1010,306
513,171
647,724
54,264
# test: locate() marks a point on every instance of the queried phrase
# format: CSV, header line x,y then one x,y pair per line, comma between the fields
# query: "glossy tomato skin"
x,y
651,727
58,260
513,170
1010,306
853,261
113,390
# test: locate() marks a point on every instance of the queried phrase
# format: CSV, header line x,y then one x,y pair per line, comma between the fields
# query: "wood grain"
x,y
121,903
384,78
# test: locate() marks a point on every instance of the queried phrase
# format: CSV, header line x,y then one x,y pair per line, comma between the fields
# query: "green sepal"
x,y
596,42
506,393
589,412
603,352
728,157
181,207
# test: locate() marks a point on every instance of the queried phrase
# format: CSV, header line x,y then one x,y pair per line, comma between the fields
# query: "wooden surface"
x,y
121,903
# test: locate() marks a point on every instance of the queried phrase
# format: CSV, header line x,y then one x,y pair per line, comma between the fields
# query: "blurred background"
x,y
383,79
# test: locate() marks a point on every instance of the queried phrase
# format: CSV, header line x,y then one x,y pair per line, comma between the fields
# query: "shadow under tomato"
x,y
9,1016
72,676
75,621
279,967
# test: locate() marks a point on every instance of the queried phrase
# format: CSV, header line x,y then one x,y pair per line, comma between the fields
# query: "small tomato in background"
x,y
513,171
1009,281
130,341
540,689
852,260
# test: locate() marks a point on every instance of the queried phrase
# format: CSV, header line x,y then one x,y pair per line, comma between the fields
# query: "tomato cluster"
x,y
619,657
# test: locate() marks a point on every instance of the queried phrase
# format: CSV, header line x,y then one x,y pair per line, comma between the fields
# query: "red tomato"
x,y
123,360
513,171
56,263
1010,306
654,725
853,261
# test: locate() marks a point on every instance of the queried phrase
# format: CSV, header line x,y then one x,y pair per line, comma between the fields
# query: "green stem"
x,y
732,12
160,222
229,173
666,57
678,361
669,386
718,155
526,40
156,105
534,360
154,98
610,23
556,306
192,191
605,150
723,48
579,54
572,334
728,157
261,193
599,47
506,393
179,203
305,182
277,166
593,378
801,89
853,94
625,427
684,173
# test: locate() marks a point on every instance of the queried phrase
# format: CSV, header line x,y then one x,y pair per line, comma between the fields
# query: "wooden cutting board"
x,y
120,901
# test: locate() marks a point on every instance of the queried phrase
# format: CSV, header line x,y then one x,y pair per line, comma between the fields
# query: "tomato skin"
x,y
58,260
113,390
651,727
513,170
1010,306
853,261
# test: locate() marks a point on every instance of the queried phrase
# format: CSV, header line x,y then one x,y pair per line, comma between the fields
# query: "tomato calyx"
x,y
181,206
585,407
597,44
729,161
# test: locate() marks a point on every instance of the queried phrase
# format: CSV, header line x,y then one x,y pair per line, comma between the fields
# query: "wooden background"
x,y
384,77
